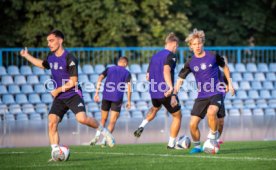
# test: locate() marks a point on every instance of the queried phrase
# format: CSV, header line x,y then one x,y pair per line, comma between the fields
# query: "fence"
x,y
139,55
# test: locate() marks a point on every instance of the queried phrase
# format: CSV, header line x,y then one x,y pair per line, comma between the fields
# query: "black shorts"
x,y
201,105
114,106
166,101
61,106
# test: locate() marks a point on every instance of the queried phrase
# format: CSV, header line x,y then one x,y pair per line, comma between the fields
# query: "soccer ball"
x,y
184,142
210,148
60,153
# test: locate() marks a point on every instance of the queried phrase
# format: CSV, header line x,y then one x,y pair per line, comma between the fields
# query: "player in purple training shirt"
x,y
161,77
67,95
205,67
117,78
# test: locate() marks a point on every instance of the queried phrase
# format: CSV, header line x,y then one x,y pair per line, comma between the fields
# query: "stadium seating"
x,y
38,71
26,70
87,69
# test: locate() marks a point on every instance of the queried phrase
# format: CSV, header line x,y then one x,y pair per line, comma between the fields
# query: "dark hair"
x,y
123,59
57,33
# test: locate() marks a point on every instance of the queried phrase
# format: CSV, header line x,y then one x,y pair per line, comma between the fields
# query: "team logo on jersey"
x,y
55,65
72,63
60,68
80,105
210,65
196,68
203,66
51,65
173,59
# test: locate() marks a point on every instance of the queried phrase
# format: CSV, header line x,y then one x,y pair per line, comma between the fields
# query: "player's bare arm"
x,y
228,78
128,106
37,62
168,80
99,82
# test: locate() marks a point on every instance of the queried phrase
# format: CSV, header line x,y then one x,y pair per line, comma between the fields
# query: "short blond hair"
x,y
195,34
171,37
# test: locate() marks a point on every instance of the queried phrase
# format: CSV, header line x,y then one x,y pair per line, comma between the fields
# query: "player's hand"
x,y
226,88
24,52
169,92
96,98
54,93
173,101
232,90
128,105
147,76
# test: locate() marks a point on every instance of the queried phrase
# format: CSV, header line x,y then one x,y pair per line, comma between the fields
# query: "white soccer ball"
x,y
184,142
210,148
60,153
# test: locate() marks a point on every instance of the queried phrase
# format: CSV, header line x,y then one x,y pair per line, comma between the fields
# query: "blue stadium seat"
x,y
135,96
244,85
251,67
87,97
13,70
83,78
272,67
258,112
6,80
189,104
80,70
28,108
231,67
26,70
145,68
241,94
268,85
14,89
262,67
26,88
228,104
137,114
269,111
272,103
3,109
238,104
142,105
249,103
246,112
32,79
93,107
21,99
8,99
142,77
248,77
193,94
253,94
239,67
38,71
179,67
34,98
21,117
48,72
135,68
124,115
133,77
41,108
256,85
98,115
182,95
20,80
87,69
44,78
15,109
46,98
3,71
236,77
145,96
261,103
259,77
9,118
39,88
273,94
99,68
3,89
234,112
270,76
264,94
35,116
94,78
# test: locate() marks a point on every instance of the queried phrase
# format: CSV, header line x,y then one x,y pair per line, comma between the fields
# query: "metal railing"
x,y
140,55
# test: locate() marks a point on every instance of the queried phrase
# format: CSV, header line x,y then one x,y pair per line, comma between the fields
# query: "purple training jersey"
x,y
206,72
158,85
116,79
62,68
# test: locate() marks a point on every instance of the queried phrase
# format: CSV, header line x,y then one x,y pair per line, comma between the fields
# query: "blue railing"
x,y
139,55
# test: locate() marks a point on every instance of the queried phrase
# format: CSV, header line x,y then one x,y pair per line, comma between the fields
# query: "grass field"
x,y
233,155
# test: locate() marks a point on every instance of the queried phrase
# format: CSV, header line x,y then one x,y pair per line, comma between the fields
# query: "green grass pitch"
x,y
233,155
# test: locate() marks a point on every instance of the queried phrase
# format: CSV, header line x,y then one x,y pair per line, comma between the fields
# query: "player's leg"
x,y
76,104
150,116
104,116
221,115
115,112
176,121
198,113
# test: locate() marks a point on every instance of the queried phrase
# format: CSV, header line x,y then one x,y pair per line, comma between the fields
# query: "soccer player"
x,y
205,67
116,79
67,94
161,77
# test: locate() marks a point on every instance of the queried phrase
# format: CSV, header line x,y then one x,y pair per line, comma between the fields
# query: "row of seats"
x,y
134,68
